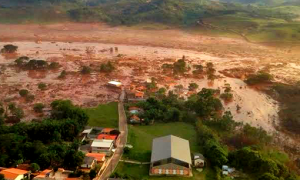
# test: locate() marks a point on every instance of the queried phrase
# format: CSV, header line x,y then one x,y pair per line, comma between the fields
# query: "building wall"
x,y
20,177
170,169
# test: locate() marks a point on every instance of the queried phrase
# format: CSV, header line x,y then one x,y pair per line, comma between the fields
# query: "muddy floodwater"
x,y
257,108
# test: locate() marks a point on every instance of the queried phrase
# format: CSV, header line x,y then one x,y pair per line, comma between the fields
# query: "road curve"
x,y
122,140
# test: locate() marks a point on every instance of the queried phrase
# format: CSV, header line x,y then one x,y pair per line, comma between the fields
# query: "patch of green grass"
x,y
105,115
140,137
139,172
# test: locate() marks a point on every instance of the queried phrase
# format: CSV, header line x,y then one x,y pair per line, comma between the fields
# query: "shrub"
x,y
260,77
38,107
62,74
54,65
9,49
23,92
34,167
85,70
42,86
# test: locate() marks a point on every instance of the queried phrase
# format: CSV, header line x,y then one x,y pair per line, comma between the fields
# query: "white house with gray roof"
x,y
170,156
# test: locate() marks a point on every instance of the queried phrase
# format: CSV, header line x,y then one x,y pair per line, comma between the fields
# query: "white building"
x,y
102,146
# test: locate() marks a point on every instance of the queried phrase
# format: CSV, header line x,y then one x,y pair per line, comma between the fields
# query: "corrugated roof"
x,y
171,147
97,156
102,143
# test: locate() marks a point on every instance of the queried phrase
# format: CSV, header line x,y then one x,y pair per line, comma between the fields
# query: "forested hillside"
x,y
263,21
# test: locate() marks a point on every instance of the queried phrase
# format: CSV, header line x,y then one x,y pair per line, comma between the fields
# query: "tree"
x,y
19,113
9,48
21,61
193,86
42,86
107,68
34,167
62,74
23,92
38,107
179,67
53,65
215,153
85,70
268,176
92,173
12,106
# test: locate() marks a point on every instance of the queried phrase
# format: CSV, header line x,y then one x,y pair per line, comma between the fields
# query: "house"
x,y
107,130
134,110
88,163
134,119
102,146
139,95
107,137
170,156
85,133
46,174
198,160
14,174
100,157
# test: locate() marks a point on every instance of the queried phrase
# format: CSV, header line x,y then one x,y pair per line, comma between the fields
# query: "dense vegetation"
x,y
266,20
46,143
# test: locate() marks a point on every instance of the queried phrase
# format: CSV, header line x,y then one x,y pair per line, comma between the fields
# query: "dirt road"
x,y
121,143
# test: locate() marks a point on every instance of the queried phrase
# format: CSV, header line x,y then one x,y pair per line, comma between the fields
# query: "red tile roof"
x,y
12,173
98,156
105,136
43,173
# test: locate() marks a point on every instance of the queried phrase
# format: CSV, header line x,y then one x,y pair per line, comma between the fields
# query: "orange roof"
x,y
43,173
135,117
107,130
139,94
97,156
9,175
105,136
12,173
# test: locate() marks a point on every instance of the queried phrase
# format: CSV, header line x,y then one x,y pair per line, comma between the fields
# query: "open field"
x,y
140,137
104,115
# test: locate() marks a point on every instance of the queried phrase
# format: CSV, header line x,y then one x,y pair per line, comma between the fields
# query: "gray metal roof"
x,y
171,147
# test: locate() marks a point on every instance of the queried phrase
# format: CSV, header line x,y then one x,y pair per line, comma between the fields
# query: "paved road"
x,y
120,143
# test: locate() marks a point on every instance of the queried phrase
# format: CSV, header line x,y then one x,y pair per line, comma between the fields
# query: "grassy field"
x,y
140,137
141,172
105,115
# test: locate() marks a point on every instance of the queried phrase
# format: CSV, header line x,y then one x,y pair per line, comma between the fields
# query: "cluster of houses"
x,y
97,144
23,172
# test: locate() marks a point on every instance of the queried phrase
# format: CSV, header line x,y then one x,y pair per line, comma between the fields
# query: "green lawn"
x,y
141,172
105,115
140,137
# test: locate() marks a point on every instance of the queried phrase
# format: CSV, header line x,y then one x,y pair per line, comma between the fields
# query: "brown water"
x,y
257,108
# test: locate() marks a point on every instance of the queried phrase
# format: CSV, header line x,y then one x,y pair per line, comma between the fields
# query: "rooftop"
x,y
12,173
97,156
106,136
102,143
171,147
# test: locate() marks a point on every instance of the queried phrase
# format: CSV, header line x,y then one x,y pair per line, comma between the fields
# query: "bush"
x,y
107,68
42,86
38,107
23,92
260,77
62,74
9,49
85,70
54,65
226,96
34,167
